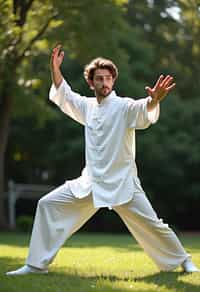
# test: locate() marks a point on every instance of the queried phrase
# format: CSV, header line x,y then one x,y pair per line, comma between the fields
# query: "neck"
x,y
100,98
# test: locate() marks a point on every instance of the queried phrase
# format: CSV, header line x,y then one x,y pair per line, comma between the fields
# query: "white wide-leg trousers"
x,y
59,214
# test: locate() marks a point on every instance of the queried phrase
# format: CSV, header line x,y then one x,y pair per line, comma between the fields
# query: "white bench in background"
x,y
25,191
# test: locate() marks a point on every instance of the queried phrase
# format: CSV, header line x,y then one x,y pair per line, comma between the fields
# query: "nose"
x,y
104,81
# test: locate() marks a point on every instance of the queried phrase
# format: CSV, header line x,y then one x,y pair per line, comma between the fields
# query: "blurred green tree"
x,y
172,27
170,149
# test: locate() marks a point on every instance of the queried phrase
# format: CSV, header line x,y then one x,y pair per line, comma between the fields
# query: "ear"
x,y
90,83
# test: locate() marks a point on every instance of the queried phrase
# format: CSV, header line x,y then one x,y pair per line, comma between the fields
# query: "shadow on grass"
x,y
55,281
170,280
70,281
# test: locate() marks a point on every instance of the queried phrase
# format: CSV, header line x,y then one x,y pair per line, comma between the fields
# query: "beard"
x,y
103,91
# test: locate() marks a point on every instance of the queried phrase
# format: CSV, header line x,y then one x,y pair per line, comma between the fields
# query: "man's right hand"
x,y
57,57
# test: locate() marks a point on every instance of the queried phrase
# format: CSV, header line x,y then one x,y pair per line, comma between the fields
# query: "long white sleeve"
x,y
70,102
138,116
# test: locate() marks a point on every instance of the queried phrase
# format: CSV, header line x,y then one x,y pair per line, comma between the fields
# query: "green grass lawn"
x,y
95,262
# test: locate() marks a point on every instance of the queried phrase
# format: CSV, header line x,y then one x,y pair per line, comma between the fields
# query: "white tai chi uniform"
x,y
108,180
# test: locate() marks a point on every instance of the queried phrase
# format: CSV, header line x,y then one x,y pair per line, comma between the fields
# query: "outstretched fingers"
x,y
168,84
167,81
159,81
171,86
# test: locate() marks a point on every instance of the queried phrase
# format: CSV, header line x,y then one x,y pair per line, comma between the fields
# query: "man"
x,y
110,176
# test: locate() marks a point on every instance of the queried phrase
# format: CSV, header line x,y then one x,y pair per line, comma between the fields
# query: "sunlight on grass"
x,y
95,262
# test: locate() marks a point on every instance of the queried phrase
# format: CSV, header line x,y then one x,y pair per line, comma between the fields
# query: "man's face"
x,y
102,82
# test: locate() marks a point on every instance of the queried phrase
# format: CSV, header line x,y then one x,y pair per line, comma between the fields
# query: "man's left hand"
x,y
160,90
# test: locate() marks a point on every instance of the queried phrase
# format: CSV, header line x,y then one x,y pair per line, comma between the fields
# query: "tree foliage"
x,y
168,153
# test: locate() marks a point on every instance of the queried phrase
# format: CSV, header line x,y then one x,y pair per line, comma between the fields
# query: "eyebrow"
x,y
99,75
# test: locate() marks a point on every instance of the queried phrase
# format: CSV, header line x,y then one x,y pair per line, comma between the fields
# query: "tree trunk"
x,y
5,116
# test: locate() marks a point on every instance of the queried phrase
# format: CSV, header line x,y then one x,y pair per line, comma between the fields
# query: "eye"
x,y
98,78
101,78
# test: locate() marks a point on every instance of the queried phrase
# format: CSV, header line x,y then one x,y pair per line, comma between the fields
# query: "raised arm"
x,y
162,87
70,102
56,60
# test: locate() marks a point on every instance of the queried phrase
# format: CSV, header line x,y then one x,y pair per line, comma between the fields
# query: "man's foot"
x,y
189,267
26,270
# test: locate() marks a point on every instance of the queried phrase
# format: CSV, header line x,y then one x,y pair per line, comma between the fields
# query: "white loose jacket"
x,y
110,173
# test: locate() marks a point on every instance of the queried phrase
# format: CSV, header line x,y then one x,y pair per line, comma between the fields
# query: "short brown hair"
x,y
100,63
